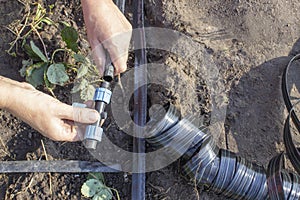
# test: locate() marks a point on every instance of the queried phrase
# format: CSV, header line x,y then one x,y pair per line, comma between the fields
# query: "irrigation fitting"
x,y
102,96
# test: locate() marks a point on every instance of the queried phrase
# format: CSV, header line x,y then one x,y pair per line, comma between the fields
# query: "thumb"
x,y
118,47
121,64
81,115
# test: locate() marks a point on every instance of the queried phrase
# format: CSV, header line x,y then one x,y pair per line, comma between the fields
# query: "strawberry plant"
x,y
42,71
41,68
95,188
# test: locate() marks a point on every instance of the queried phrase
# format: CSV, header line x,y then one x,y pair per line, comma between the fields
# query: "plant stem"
x,y
56,51
52,93
38,34
96,81
116,191
18,34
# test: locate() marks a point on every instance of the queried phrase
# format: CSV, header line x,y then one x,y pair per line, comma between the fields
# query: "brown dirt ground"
x,y
250,42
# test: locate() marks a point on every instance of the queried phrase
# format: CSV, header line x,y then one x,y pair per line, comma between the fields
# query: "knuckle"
x,y
122,69
27,86
78,114
129,26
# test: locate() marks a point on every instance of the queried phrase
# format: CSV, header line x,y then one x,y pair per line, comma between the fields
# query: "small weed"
x,y
33,20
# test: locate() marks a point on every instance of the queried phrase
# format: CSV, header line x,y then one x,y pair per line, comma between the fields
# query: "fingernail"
x,y
93,116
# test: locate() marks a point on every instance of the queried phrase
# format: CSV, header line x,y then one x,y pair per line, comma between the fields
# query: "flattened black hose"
x,y
138,187
223,171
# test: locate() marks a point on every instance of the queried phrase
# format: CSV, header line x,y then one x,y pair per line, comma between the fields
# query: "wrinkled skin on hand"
x,y
47,115
107,27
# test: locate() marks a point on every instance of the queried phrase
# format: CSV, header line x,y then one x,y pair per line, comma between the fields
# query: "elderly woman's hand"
x,y
47,115
107,27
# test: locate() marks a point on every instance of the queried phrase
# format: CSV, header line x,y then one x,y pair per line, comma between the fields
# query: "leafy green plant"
x,y
41,70
95,188
69,35
87,75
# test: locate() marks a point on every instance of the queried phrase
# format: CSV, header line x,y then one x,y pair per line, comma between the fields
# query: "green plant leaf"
x,y
104,194
25,64
83,70
97,175
13,54
91,187
70,37
56,74
30,53
48,85
23,42
51,6
36,77
79,85
87,93
23,71
38,52
31,68
79,58
39,12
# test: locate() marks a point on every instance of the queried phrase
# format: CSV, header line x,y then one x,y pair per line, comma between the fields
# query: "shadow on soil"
x,y
256,111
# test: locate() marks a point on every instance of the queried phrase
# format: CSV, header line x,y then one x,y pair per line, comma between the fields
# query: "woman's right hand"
x,y
107,27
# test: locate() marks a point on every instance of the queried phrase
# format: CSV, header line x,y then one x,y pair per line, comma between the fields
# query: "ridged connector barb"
x,y
93,135
102,94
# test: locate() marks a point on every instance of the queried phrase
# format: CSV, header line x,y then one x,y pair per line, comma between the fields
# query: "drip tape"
x,y
222,171
158,124
226,171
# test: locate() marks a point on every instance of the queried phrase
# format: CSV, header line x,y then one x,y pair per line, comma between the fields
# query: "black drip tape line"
x,y
225,173
292,151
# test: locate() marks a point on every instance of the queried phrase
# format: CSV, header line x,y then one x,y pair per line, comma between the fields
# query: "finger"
x,y
77,130
74,133
89,103
98,54
65,130
16,83
81,115
80,132
10,81
121,64
118,46
27,86
70,133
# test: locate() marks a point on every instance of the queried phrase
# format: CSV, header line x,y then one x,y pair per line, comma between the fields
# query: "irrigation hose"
x,y
138,186
224,172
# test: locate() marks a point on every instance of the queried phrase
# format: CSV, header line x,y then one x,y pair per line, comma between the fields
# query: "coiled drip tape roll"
x,y
220,170
161,121
223,171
